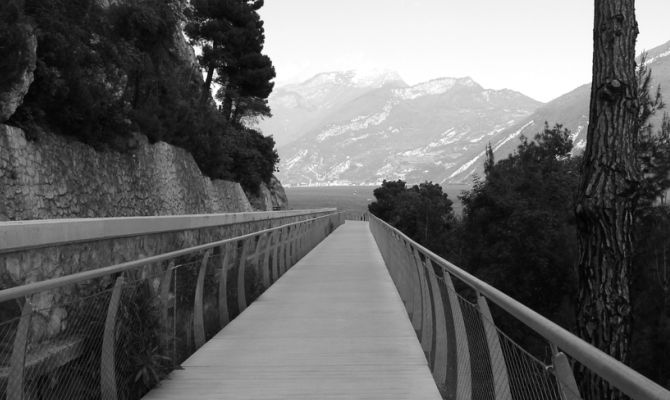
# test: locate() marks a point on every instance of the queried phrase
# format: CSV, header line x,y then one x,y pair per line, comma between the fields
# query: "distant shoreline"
x,y
355,198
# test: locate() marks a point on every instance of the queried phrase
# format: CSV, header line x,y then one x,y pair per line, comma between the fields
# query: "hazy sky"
x,y
542,48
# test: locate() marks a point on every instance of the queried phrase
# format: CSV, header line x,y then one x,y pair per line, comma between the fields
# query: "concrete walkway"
x,y
333,327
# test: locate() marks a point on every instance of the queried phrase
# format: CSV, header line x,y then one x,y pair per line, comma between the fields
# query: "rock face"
x,y
53,177
270,197
279,199
12,97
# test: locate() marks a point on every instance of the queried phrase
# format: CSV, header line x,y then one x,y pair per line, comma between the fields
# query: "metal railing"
x,y
114,332
355,215
471,358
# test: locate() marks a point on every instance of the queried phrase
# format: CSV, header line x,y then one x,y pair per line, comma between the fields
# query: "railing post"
x,y
305,238
108,388
310,243
286,232
17,362
224,316
309,238
265,265
257,251
498,365
298,238
431,328
281,246
413,292
275,255
299,241
198,306
286,251
395,262
294,245
464,378
564,375
426,323
399,274
287,248
439,366
256,258
166,282
241,289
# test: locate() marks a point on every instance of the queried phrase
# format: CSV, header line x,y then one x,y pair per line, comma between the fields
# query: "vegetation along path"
x,y
333,327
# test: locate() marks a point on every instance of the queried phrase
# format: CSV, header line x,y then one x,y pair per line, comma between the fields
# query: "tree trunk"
x,y
227,106
206,87
136,92
236,115
608,191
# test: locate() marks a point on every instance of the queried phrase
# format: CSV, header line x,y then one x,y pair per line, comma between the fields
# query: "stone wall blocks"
x,y
57,321
38,328
13,268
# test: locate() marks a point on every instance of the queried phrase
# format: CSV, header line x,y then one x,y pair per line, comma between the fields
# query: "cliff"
x,y
56,177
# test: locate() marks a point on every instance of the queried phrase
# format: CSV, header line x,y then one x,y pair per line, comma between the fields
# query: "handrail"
x,y
32,288
24,235
174,301
619,375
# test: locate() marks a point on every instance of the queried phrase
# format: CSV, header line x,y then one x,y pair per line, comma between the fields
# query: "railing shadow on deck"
x,y
471,358
114,332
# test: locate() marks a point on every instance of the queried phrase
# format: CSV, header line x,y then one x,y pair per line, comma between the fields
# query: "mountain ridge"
x,y
435,130
571,111
410,122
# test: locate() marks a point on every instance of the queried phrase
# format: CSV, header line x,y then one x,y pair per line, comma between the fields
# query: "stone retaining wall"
x,y
55,177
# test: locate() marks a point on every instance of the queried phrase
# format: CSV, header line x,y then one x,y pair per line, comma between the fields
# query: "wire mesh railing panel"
x,y
472,358
183,318
210,297
480,361
141,358
8,330
528,377
63,350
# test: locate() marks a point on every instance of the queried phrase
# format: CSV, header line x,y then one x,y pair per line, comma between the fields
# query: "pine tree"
x,y
608,191
489,162
232,37
209,27
653,145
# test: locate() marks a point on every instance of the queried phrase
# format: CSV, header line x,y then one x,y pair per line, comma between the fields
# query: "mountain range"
x,y
348,128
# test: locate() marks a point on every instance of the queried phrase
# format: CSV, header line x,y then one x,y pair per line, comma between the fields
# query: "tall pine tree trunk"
x,y
608,190
227,106
207,86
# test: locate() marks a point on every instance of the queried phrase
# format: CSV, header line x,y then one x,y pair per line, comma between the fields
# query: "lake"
x,y
355,198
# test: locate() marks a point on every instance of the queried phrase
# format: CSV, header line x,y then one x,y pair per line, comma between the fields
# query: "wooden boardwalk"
x,y
333,327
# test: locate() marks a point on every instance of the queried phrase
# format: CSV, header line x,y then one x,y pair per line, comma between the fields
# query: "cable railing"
x,y
469,356
114,332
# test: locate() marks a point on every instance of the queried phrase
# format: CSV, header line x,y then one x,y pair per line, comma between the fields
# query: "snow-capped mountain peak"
x,y
434,87
428,130
375,78
436,130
